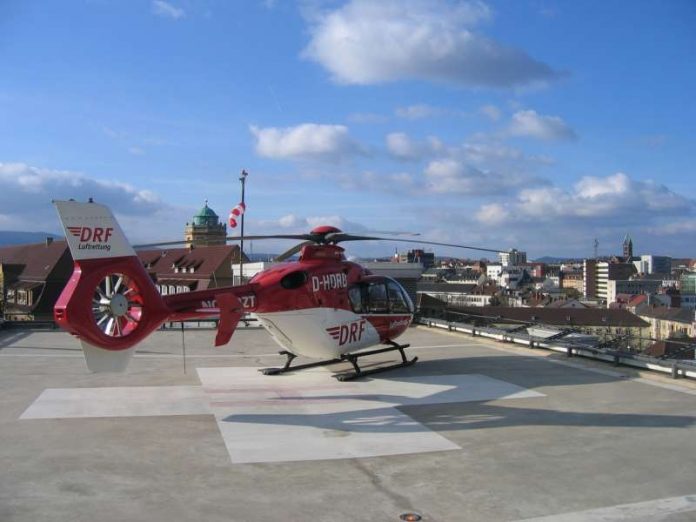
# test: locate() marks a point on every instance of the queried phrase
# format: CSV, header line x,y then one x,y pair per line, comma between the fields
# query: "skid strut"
x,y
349,357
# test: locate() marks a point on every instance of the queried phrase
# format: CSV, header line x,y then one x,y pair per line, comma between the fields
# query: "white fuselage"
x,y
321,333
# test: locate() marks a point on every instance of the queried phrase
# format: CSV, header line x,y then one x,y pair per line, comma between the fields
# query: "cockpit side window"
x,y
377,298
398,302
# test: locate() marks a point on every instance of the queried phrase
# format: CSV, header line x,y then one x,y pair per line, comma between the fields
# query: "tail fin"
x,y
92,231
110,302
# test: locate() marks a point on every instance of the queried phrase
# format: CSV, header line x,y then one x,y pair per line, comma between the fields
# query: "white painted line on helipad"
x,y
134,401
649,511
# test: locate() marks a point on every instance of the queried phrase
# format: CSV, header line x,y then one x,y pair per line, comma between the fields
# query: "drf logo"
x,y
347,333
94,235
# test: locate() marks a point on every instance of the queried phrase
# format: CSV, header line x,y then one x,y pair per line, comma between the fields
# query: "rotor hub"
x,y
118,305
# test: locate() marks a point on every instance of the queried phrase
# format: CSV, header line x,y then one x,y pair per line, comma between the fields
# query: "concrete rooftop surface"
x,y
476,430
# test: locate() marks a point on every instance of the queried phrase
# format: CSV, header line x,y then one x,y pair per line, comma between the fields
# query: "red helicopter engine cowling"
x,y
104,303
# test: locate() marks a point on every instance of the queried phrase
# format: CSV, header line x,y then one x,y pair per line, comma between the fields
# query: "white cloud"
x,y
453,176
25,201
616,197
367,117
294,224
402,147
367,42
417,112
492,214
491,112
167,10
308,141
674,228
528,123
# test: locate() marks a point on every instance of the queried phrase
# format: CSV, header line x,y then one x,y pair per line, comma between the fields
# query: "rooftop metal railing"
x,y
608,350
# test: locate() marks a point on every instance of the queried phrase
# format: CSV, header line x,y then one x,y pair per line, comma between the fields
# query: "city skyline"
x,y
535,125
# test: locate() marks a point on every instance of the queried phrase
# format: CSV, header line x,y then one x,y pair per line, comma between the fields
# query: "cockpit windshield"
x,y
382,296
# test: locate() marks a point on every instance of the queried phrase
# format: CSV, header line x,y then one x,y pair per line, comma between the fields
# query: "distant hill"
x,y
13,237
553,260
260,257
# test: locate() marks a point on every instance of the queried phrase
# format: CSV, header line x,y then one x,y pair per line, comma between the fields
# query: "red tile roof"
x,y
38,259
176,262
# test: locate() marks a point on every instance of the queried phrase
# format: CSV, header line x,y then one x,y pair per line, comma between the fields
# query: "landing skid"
x,y
351,358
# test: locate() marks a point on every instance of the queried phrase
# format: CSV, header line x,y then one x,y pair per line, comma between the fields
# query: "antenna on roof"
x,y
596,247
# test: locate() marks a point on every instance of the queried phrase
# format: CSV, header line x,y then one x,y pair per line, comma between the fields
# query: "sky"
x,y
532,124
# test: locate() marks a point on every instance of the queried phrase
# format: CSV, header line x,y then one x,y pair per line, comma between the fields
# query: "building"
x,y
205,229
407,274
666,323
601,322
179,270
597,274
589,278
31,279
512,257
649,264
572,280
493,271
687,283
631,286
427,259
513,277
688,301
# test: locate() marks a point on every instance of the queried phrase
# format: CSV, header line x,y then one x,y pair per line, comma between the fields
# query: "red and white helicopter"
x,y
321,306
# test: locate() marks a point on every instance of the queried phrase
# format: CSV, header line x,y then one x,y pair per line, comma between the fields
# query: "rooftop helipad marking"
x,y
310,416
649,511
294,417
132,401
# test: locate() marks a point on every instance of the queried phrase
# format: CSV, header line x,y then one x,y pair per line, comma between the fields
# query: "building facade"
x,y
666,323
513,257
687,283
631,287
649,264
31,279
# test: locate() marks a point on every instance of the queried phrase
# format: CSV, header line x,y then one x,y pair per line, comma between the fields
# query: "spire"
x,y
627,247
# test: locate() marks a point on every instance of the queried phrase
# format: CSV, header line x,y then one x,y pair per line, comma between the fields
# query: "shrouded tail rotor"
x,y
117,305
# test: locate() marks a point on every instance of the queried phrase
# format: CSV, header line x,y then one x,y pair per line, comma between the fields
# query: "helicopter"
x,y
321,306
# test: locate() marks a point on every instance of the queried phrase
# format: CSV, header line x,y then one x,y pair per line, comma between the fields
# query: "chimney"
x,y
49,240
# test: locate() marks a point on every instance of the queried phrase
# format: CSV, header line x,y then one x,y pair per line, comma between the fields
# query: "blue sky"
x,y
535,124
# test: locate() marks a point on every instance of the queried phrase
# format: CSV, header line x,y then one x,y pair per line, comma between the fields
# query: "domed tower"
x,y
205,229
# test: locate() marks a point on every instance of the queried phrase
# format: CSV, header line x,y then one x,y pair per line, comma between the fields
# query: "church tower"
x,y
627,248
205,229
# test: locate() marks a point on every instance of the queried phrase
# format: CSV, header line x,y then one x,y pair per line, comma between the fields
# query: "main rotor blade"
x,y
292,251
340,236
228,238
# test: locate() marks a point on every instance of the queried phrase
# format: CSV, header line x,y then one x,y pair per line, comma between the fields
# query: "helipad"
x,y
474,431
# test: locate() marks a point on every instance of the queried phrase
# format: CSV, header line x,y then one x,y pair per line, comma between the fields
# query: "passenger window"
x,y
355,294
294,280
